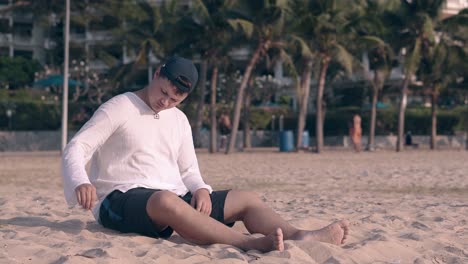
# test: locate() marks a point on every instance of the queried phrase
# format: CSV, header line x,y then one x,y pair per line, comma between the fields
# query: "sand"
x,y
409,207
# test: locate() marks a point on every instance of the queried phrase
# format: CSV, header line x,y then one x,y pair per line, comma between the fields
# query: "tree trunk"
x,y
401,114
76,94
305,88
434,117
262,47
246,118
213,134
466,140
321,86
376,86
200,105
371,142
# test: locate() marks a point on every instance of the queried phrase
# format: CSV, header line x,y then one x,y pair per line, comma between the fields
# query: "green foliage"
x,y
463,122
31,116
17,72
42,116
4,94
261,20
260,118
418,121
284,100
22,95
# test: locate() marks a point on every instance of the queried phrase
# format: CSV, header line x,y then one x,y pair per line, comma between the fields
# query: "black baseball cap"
x,y
181,72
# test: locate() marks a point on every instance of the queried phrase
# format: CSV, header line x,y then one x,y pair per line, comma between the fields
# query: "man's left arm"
x,y
191,176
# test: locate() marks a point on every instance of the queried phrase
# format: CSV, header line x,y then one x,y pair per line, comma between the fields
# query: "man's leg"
x,y
223,142
167,209
258,218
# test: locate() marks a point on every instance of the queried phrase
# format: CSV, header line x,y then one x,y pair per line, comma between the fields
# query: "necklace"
x,y
156,116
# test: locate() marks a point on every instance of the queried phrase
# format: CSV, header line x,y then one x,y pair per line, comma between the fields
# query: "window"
x,y
106,23
23,29
27,54
4,25
4,52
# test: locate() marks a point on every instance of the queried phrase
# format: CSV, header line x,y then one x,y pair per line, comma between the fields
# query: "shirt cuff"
x,y
203,186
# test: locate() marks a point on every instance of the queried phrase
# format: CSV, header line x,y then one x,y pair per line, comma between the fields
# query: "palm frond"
x,y
412,61
344,58
303,46
108,59
246,27
371,42
289,64
201,10
428,28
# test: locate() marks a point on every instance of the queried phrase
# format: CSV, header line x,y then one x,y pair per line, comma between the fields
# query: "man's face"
x,y
162,94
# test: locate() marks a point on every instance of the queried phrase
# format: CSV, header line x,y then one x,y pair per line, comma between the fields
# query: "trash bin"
x,y
286,141
305,139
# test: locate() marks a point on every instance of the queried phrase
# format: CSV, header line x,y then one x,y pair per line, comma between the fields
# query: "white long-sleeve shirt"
x,y
130,148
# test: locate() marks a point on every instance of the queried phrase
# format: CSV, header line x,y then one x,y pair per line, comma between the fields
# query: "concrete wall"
x,y
50,140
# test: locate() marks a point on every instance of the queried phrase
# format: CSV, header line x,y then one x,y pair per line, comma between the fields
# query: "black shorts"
x,y
126,212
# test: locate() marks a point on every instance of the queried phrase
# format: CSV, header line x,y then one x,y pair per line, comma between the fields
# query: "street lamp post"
x,y
65,78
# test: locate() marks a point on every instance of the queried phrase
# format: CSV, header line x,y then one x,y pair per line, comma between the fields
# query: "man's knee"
x,y
163,203
247,197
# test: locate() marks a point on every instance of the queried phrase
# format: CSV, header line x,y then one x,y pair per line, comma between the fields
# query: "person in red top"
x,y
355,133
224,129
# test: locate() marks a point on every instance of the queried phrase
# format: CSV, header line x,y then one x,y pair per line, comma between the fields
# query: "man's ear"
x,y
157,72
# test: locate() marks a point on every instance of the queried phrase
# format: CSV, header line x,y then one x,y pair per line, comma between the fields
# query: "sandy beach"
x,y
409,207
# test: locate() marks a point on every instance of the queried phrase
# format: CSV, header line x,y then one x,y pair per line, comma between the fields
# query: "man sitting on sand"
x,y
145,178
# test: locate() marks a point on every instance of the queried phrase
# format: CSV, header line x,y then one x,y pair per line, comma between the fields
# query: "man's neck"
x,y
143,94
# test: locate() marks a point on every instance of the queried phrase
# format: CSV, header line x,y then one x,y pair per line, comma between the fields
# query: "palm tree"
x,y
246,114
442,63
373,35
320,28
299,44
262,22
143,32
415,25
303,87
208,33
213,119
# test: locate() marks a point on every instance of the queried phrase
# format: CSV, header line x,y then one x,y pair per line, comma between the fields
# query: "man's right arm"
x,y
77,186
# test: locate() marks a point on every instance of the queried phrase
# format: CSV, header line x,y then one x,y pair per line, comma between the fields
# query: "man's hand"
x,y
201,201
86,195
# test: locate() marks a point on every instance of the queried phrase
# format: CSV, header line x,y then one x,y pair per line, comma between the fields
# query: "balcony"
x,y
91,37
77,37
5,39
98,65
22,40
24,18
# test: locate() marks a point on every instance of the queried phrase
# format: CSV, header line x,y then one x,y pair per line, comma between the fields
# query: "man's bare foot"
x,y
271,242
335,233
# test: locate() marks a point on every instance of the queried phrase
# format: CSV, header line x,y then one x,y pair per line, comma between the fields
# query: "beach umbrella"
x,y
380,105
55,80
